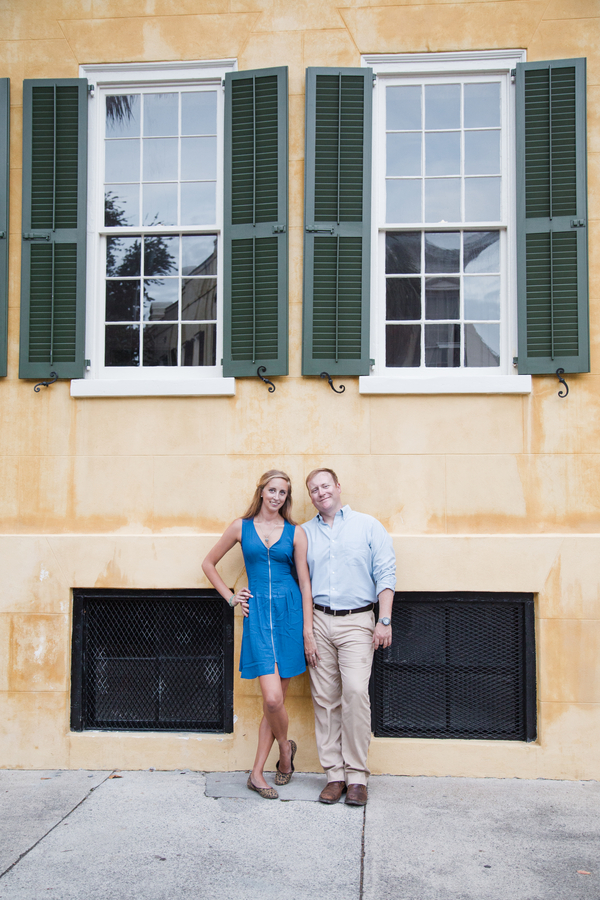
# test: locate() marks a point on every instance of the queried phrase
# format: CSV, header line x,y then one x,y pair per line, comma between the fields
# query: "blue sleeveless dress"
x,y
273,628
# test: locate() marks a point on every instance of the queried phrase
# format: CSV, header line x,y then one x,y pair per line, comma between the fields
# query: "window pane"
x,y
198,203
442,153
199,254
160,159
482,199
442,346
122,161
160,204
123,115
482,105
442,251
160,345
482,152
123,301
199,298
199,158
403,107
482,345
442,106
160,299
482,251
442,298
442,200
198,345
403,201
482,297
199,112
122,345
161,114
161,255
123,256
403,345
403,253
121,205
403,156
403,298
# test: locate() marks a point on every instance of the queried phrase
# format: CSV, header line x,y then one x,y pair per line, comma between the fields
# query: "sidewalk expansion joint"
x,y
362,855
60,821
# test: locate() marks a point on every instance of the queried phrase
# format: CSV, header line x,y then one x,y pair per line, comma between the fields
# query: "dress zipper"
x,y
271,605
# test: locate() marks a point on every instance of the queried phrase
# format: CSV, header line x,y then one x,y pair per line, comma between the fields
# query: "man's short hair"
x,y
314,472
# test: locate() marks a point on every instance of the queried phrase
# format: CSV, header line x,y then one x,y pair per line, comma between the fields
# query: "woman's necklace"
x,y
266,537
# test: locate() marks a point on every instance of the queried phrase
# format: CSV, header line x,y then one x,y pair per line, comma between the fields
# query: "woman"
x,y
273,607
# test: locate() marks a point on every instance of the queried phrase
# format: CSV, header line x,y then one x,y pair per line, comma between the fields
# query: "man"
x,y
352,565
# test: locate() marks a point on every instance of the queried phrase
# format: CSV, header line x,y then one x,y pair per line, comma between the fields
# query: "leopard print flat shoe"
x,y
265,793
282,778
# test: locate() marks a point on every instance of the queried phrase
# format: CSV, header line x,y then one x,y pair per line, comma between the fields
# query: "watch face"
x,y
385,621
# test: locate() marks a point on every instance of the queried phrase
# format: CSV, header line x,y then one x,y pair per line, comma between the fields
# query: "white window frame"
x,y
386,69
100,381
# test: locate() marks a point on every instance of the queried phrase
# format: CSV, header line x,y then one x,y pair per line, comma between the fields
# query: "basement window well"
x,y
151,661
461,665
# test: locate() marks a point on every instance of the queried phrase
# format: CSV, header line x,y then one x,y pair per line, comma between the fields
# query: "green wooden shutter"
x,y
4,190
54,228
337,221
552,266
255,274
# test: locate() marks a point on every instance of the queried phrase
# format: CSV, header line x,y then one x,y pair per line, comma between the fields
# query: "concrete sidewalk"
x,y
170,835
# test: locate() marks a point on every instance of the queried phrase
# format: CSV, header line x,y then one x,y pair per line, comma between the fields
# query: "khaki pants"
x,y
340,693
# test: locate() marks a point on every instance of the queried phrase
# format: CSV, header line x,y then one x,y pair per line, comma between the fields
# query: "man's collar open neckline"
x,y
343,512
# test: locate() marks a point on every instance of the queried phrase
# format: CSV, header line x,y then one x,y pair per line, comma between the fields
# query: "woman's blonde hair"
x,y
256,502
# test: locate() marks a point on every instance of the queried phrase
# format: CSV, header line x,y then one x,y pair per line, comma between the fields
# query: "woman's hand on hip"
x,y
310,650
243,599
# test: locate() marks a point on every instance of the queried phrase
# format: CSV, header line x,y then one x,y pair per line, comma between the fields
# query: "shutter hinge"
x,y
577,223
2,235
513,73
374,78
35,236
91,89
278,229
372,363
515,360
87,363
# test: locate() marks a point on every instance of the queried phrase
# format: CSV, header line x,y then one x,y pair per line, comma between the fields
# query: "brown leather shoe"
x,y
333,792
357,795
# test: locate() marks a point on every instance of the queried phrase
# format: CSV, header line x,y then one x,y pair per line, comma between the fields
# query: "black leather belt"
x,y
343,612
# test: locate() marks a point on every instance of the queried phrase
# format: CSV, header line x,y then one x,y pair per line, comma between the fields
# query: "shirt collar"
x,y
344,512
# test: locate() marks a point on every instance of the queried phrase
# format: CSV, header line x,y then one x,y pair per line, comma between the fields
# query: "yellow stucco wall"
x,y
480,492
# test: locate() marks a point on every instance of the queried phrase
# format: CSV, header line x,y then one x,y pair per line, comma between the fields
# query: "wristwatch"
x,y
385,621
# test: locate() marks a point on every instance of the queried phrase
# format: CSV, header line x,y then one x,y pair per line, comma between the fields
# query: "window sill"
x,y
477,384
200,387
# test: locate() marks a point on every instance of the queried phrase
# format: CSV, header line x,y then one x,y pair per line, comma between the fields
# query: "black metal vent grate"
x,y
460,666
152,660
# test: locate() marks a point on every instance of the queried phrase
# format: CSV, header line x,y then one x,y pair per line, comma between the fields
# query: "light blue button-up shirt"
x,y
350,563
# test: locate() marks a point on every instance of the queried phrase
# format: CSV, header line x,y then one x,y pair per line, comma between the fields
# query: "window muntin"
x,y
161,300
160,171
442,302
443,167
156,182
160,158
443,152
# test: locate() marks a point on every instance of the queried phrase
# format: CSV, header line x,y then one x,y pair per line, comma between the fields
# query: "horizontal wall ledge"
x,y
205,387
478,384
